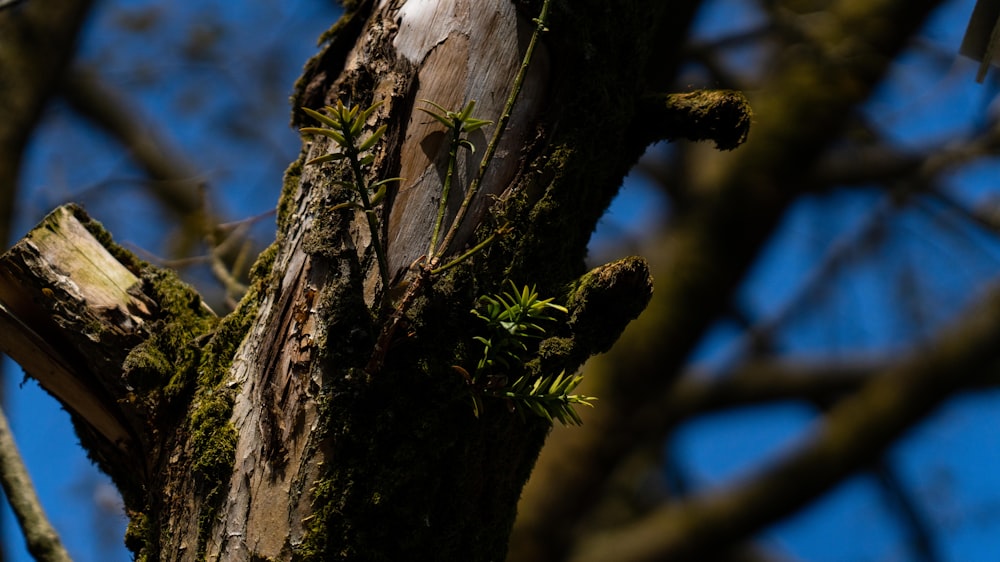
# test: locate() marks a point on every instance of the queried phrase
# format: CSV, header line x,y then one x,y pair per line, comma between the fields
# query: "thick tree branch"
x,y
769,381
884,164
709,248
722,116
758,383
102,332
850,436
45,271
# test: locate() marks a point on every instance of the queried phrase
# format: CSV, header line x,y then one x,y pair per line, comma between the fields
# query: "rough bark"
x,y
300,426
368,454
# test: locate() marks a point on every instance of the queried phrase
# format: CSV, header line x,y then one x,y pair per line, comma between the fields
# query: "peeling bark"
x,y
263,435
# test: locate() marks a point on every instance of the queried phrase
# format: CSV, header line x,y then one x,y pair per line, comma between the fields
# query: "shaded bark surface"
x,y
268,434
367,454
351,455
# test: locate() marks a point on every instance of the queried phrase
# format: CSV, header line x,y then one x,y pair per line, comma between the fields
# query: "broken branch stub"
x,y
72,307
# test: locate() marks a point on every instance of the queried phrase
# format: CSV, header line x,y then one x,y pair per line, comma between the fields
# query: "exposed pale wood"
x,y
57,285
449,53
441,54
466,50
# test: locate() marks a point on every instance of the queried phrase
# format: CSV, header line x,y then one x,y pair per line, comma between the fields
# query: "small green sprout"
x,y
459,123
346,125
548,397
512,318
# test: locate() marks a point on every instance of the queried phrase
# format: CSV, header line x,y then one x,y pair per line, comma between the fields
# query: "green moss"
x,y
261,268
350,7
554,354
324,67
175,363
314,544
323,237
289,186
162,372
137,535
213,450
397,462
146,367
580,170
606,299
723,116
553,216
213,436
161,369
217,356
178,370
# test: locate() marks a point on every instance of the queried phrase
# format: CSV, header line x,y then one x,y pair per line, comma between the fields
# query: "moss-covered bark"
x,y
328,417
409,471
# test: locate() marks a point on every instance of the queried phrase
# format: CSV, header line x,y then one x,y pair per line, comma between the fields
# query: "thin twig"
x,y
234,289
41,538
491,148
456,133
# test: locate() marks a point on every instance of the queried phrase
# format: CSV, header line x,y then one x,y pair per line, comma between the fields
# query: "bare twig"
x,y
41,538
217,248
920,529
177,179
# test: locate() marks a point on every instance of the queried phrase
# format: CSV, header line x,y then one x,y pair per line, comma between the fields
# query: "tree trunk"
x,y
328,417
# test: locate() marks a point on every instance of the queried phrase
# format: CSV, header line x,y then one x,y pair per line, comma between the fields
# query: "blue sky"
x,y
949,462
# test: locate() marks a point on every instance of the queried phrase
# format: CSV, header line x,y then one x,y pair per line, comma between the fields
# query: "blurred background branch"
x,y
173,181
